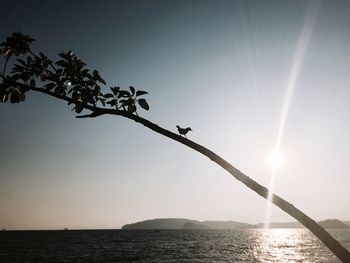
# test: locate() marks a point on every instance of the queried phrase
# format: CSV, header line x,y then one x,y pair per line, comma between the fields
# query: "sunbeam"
x,y
302,46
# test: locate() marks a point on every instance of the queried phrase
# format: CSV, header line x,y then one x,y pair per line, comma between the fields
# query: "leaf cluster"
x,y
68,77
16,44
126,100
12,94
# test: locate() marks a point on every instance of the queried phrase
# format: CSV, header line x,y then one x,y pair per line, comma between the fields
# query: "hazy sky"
x,y
221,67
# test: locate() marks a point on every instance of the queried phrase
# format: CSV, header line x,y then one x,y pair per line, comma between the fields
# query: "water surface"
x,y
274,245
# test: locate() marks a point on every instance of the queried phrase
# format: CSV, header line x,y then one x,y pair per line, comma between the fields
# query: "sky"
x,y
231,70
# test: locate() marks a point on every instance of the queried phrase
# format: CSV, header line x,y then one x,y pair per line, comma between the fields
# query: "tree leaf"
x,y
141,92
42,55
43,77
115,90
132,89
50,86
59,90
79,108
32,83
108,95
130,101
15,98
131,108
124,93
113,103
25,76
143,103
102,80
22,62
123,102
95,74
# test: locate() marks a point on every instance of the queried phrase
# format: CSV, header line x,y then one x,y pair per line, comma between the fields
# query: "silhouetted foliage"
x,y
68,79
68,76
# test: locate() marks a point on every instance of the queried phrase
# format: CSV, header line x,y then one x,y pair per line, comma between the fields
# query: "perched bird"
x,y
183,131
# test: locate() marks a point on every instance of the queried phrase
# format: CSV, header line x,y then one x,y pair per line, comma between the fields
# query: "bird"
x,y
183,131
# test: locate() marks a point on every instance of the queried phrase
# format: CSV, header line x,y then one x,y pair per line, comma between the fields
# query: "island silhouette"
x,y
184,223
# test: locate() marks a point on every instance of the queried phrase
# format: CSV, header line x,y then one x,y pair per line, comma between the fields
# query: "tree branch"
x,y
91,115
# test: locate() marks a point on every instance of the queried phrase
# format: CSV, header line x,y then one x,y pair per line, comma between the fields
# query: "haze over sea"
x,y
246,245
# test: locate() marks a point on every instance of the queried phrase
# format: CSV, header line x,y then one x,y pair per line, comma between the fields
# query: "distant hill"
x,y
191,225
183,223
160,223
226,224
333,223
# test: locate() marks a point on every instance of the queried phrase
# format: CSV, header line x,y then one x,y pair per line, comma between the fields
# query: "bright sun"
x,y
276,159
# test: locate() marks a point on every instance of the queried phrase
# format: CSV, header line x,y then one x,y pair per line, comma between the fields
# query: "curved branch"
x,y
308,222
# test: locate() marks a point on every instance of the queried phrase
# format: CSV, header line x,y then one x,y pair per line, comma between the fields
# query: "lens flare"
x,y
303,43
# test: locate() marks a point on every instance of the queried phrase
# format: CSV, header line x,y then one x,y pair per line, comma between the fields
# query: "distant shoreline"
x,y
184,223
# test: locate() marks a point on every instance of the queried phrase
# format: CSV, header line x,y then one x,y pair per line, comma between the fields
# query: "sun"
x,y
276,159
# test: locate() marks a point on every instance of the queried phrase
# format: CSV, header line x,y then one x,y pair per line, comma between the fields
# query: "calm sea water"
x,y
274,245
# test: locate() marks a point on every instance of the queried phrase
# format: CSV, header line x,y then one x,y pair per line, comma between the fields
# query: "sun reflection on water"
x,y
281,245
288,245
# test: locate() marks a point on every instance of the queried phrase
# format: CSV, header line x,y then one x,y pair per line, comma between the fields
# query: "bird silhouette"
x,y
183,131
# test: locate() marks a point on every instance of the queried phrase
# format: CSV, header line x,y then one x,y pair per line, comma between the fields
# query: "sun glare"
x,y
276,159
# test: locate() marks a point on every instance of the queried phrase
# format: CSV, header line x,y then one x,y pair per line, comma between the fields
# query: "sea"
x,y
246,245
